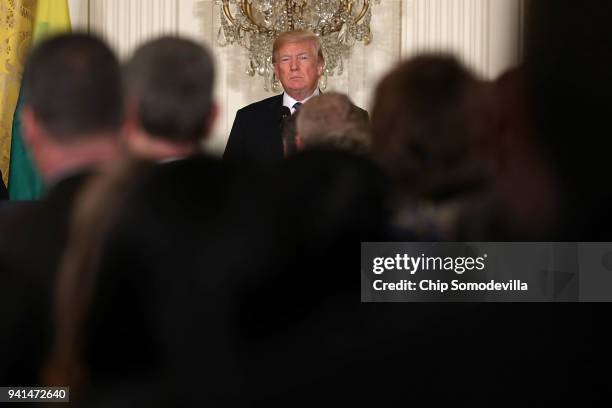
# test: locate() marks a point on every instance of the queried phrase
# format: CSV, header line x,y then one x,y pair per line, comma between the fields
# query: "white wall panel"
x,y
126,24
79,14
483,33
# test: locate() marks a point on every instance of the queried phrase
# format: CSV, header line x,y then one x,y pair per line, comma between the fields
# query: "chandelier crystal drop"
x,y
254,25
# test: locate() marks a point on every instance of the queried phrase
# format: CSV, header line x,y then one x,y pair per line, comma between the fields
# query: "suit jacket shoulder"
x,y
255,136
33,236
267,104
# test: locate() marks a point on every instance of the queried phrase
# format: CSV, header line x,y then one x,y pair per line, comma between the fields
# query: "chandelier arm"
x,y
364,10
247,9
362,13
227,12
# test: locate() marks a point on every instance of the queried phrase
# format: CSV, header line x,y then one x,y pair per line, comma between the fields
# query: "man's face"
x,y
298,68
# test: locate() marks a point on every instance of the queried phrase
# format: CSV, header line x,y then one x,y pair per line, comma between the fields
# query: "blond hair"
x,y
296,36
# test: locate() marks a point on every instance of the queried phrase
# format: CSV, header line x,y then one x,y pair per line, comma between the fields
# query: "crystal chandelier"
x,y
254,24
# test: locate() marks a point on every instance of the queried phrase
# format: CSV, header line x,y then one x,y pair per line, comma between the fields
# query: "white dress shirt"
x,y
289,101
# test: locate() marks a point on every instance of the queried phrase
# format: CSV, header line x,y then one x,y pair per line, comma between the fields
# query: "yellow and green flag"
x,y
16,25
24,182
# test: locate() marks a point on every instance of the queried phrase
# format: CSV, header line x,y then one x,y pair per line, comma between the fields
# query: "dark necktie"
x,y
297,106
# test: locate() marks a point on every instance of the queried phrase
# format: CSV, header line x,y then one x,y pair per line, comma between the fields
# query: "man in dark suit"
x,y
72,116
256,133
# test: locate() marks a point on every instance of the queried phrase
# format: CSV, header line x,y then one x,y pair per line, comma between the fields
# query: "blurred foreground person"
x,y
169,90
568,88
120,333
434,129
423,139
332,120
520,169
71,118
563,91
